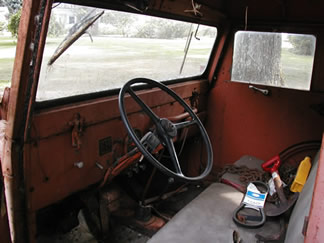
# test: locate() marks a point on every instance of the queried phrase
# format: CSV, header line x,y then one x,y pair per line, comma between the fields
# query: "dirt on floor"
x,y
81,234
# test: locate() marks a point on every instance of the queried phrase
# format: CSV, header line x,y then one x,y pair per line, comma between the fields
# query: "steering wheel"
x,y
166,130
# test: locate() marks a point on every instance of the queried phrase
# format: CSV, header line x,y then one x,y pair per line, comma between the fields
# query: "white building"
x,y
3,14
65,15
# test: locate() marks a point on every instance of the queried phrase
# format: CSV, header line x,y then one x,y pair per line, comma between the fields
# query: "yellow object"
x,y
301,176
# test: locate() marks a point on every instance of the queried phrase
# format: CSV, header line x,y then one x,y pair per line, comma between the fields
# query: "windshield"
x,y
118,47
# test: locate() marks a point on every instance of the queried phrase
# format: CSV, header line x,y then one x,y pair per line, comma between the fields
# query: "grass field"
x,y
7,55
109,62
296,69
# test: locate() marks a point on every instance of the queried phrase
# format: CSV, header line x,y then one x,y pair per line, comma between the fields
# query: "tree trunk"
x,y
257,58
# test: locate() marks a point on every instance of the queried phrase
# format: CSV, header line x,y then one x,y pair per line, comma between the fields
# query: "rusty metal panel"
x,y
4,229
318,74
22,80
301,11
242,121
316,220
49,122
51,159
4,226
223,36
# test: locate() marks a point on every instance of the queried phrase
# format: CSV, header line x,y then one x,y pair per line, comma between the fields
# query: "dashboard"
x,y
72,146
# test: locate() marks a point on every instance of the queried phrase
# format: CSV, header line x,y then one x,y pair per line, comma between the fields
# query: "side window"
x,y
274,59
115,48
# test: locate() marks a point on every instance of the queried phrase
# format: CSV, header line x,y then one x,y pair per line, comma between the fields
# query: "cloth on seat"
x,y
208,219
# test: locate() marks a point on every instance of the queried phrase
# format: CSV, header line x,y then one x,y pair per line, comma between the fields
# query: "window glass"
x,y
274,59
116,48
71,20
8,51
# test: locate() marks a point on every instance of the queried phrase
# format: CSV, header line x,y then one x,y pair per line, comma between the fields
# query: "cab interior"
x,y
73,166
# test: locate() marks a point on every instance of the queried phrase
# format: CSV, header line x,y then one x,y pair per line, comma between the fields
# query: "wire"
x,y
246,17
194,10
182,145
58,4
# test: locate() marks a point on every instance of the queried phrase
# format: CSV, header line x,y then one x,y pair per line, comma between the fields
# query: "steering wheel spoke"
x,y
184,124
145,108
173,155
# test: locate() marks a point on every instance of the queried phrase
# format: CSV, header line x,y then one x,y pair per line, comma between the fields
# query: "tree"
x,y
13,5
145,31
206,31
171,29
2,26
302,44
55,28
14,23
162,29
257,58
122,21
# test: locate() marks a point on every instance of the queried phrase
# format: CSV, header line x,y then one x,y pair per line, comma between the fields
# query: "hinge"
x,y
77,124
305,226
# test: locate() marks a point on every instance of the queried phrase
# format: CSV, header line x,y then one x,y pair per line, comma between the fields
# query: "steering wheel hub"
x,y
168,127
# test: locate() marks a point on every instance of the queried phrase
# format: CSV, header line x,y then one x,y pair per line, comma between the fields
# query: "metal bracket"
x,y
306,221
77,124
194,99
265,92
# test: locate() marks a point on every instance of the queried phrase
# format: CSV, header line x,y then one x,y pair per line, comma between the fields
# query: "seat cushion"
x,y
208,218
